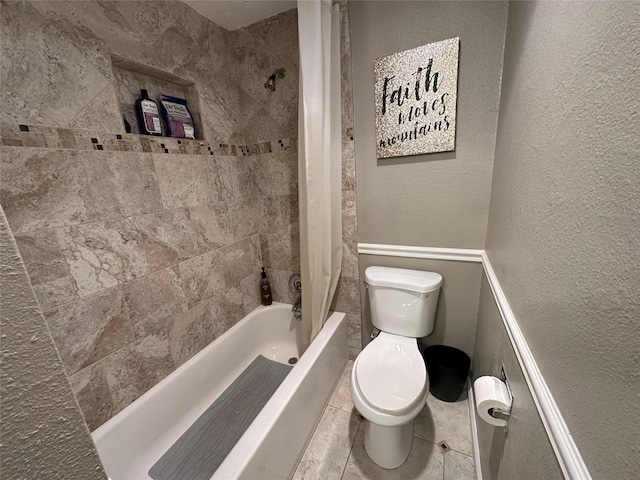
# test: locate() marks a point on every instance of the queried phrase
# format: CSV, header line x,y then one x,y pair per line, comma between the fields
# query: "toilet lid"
x,y
391,373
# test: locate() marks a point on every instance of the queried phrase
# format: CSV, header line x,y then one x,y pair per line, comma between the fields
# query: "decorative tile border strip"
x,y
20,135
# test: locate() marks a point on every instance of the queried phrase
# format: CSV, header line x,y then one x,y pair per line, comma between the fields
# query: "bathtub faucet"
x,y
297,308
295,284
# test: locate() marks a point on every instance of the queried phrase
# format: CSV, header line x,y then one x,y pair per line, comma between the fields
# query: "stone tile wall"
x,y
43,432
258,50
56,62
139,260
141,250
261,48
347,298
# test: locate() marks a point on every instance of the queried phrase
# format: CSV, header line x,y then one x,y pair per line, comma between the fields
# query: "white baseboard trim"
x,y
474,430
561,440
434,253
566,451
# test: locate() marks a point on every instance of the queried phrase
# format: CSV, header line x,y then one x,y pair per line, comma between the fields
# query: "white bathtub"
x,y
132,441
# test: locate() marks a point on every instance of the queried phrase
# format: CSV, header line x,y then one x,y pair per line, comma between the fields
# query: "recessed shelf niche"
x,y
131,77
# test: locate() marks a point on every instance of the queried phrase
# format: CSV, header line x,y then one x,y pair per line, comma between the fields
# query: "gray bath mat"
x,y
201,449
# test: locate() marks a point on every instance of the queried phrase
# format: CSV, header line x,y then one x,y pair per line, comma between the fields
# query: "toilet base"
x,y
388,447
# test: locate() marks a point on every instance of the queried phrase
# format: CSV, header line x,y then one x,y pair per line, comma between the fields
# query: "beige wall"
x,y
563,233
43,432
437,200
143,250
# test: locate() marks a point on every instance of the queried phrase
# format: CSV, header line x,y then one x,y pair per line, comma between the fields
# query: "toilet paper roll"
x,y
491,392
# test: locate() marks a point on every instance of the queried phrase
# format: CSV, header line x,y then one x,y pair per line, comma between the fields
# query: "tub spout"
x,y
297,308
295,284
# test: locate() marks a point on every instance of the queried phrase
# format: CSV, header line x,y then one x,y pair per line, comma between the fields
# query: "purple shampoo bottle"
x,y
148,115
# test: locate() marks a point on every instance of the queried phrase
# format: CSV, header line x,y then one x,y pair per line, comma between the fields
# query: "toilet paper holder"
x,y
501,414
498,412
493,399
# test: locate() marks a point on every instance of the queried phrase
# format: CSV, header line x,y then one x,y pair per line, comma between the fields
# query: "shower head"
x,y
271,82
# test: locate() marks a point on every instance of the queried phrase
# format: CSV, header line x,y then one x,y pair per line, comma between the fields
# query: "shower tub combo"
x,y
132,442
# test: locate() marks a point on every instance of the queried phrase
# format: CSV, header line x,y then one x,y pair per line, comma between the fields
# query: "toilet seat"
x,y
390,373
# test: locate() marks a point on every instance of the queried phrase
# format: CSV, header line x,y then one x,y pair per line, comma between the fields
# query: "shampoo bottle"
x,y
265,289
148,115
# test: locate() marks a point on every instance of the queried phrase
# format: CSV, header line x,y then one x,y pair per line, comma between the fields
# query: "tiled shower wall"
x,y
347,298
142,250
258,50
271,44
56,62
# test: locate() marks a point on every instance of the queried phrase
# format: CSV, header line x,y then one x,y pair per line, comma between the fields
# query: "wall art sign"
x,y
416,93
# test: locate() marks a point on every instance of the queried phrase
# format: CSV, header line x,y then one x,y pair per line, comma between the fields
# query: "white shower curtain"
x,y
319,159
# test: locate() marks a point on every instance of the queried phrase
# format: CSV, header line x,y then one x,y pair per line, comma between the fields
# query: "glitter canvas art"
x,y
415,94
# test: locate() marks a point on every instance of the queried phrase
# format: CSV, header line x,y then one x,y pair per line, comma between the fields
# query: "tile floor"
x,y
336,450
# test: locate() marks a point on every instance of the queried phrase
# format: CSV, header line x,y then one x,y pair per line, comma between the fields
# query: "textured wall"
x,y
140,250
438,200
43,432
526,452
563,231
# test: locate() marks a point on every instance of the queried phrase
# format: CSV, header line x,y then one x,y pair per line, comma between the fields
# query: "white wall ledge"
x,y
435,253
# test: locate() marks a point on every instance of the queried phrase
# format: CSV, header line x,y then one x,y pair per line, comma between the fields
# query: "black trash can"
x,y
448,370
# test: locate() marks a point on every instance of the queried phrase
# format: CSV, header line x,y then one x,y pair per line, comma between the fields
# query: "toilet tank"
x,y
402,301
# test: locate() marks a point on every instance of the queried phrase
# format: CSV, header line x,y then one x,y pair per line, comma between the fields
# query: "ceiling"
x,y
233,14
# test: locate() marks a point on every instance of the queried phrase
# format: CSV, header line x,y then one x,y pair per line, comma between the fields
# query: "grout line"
x,y
136,338
134,279
444,459
353,442
85,108
117,285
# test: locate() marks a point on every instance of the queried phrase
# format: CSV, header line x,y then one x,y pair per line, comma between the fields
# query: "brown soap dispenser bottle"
x,y
265,289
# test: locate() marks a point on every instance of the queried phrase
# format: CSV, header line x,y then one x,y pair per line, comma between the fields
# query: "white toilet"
x,y
389,383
